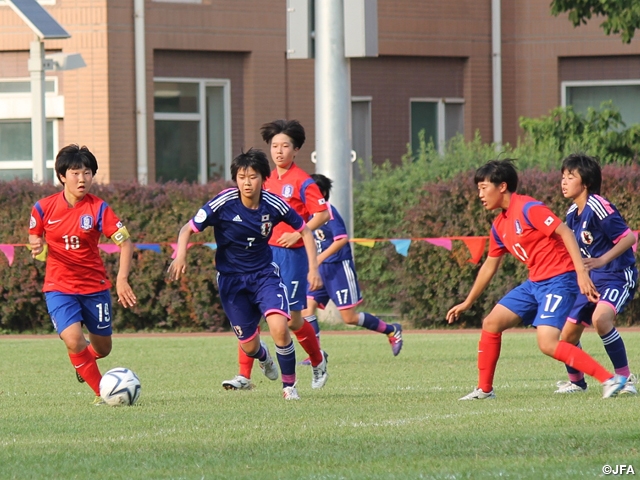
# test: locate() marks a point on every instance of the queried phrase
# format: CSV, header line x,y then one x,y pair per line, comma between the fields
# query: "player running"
x,y
339,278
249,282
605,243
531,232
76,286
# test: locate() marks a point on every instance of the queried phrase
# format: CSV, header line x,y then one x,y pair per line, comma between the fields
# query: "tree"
x,y
621,16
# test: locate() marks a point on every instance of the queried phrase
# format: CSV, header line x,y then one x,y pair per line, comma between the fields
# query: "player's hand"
x,y
454,313
36,244
314,280
177,268
289,239
126,297
587,288
592,263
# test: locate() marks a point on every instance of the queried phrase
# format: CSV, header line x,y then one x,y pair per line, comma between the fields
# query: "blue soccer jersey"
x,y
242,234
334,229
597,229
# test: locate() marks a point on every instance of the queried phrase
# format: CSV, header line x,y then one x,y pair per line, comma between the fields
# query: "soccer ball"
x,y
120,386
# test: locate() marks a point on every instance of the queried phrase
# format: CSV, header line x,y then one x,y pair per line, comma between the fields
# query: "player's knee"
x,y
350,317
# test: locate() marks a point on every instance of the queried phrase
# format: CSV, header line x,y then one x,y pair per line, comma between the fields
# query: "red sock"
x,y
307,338
245,362
86,365
488,354
93,352
580,360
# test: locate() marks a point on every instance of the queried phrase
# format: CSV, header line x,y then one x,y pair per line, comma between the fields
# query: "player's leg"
x,y
66,315
309,315
572,332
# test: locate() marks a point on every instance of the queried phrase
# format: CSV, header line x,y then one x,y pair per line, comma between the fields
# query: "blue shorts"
x,y
92,310
340,284
294,267
247,297
547,302
616,290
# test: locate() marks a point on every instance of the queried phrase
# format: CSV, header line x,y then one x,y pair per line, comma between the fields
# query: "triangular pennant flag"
x,y
212,246
109,247
476,246
440,242
402,246
175,249
149,246
8,251
365,242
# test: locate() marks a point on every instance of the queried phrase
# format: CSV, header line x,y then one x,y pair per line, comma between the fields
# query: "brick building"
x,y
217,69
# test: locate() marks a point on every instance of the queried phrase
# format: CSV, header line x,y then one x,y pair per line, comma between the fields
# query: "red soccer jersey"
x,y
72,234
526,229
302,194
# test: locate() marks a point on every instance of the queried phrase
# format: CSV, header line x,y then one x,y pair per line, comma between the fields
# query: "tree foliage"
x,y
620,16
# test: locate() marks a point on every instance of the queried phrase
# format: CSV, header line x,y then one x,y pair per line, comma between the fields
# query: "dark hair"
x,y
291,128
588,168
255,159
497,172
324,184
73,157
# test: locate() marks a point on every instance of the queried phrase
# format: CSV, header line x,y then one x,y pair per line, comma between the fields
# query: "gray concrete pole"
x,y
333,105
38,115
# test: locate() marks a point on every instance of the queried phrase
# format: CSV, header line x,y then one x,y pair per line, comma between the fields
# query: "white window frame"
x,y
591,83
10,103
441,102
203,83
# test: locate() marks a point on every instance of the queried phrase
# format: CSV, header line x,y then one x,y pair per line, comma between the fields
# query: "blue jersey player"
x,y
339,279
249,281
605,243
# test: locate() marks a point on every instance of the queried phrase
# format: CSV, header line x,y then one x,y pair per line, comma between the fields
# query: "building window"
x,y
361,137
441,119
192,129
16,160
624,94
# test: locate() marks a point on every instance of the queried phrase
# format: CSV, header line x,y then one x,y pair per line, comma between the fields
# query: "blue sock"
x,y
370,322
287,361
313,320
614,346
260,355
576,376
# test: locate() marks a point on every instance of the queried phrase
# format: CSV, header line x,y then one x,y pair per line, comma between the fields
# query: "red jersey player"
x,y
76,286
528,230
297,188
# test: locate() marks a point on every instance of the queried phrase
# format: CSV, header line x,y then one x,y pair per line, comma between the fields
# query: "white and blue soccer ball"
x,y
120,387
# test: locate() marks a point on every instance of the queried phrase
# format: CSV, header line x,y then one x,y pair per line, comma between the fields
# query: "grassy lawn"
x,y
378,416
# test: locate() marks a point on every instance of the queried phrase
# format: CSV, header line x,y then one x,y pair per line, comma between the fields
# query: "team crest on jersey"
x,y
586,237
265,229
86,222
518,227
320,235
32,222
287,191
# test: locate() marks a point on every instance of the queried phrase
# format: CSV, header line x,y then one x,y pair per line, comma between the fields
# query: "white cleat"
x,y
320,374
290,393
238,382
612,387
478,394
630,387
568,387
268,367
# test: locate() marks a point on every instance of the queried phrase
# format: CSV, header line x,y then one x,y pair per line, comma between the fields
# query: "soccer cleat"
x,y
320,374
79,377
611,387
478,394
306,362
568,387
630,387
238,382
290,393
268,367
98,401
395,339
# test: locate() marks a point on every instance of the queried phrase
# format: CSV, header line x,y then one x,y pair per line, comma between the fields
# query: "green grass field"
x,y
377,417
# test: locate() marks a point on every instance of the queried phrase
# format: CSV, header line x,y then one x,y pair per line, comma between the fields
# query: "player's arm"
x,y
179,264
624,244
313,277
126,297
485,274
584,281
331,249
